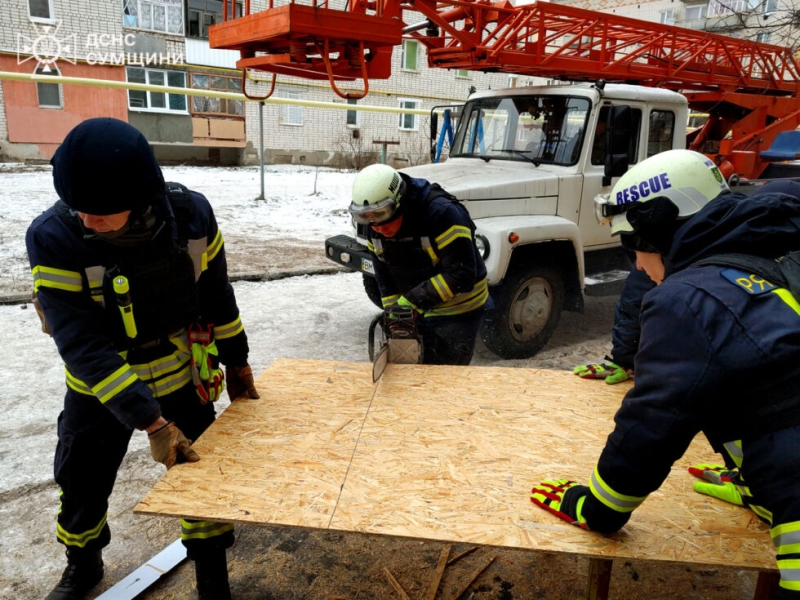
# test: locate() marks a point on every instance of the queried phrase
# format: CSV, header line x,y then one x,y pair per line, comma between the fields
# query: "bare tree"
x,y
772,21
356,149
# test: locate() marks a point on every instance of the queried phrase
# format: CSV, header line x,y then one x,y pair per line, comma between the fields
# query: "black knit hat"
x,y
105,166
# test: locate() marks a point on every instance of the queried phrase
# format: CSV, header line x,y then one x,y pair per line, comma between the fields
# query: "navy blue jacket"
x,y
719,353
432,260
65,267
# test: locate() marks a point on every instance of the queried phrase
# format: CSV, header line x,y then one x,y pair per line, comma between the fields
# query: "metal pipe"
x,y
261,147
126,85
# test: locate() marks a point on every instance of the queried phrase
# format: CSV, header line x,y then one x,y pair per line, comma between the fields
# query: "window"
x,y
462,74
694,13
599,143
666,17
763,37
661,131
165,16
353,115
718,8
291,115
200,19
217,106
409,122
48,94
156,101
409,60
40,10
769,6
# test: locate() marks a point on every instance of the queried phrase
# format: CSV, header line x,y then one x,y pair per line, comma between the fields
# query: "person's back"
x,y
720,353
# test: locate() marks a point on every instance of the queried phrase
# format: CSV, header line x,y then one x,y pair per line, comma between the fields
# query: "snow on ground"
x,y
302,203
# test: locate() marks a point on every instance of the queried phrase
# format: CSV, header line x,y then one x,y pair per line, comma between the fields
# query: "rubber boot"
x,y
84,571
211,570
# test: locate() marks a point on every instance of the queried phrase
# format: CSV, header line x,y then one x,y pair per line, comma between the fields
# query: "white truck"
x,y
527,163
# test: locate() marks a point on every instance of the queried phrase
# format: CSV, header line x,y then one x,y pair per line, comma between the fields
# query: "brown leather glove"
x,y
240,381
168,446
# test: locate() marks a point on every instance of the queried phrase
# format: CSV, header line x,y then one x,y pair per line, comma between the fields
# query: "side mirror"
x,y
618,135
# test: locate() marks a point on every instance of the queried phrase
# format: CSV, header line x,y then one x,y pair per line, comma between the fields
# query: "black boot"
x,y
84,571
211,570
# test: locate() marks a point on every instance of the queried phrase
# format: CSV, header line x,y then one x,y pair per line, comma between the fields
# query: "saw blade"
x,y
380,362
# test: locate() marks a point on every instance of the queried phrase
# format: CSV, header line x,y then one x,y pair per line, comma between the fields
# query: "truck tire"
x,y
527,309
373,292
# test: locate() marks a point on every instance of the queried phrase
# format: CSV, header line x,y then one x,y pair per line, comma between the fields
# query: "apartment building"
x,y
165,42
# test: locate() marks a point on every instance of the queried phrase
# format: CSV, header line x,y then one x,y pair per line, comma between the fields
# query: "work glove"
x,y
550,495
403,301
717,481
207,377
169,446
609,371
240,381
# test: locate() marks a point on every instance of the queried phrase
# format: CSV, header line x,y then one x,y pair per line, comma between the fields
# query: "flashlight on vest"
x,y
123,293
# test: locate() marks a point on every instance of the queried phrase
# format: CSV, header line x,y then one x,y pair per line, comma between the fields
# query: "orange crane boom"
x,y
751,90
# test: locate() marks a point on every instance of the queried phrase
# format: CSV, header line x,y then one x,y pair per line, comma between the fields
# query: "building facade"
x,y
165,42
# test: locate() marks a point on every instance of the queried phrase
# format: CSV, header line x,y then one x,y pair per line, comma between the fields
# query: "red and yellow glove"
x,y
611,372
718,481
563,498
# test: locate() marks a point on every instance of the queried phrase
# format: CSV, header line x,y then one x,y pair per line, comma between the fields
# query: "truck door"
x,y
596,236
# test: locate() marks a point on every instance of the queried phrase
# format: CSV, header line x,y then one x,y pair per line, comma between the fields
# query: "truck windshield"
x,y
538,129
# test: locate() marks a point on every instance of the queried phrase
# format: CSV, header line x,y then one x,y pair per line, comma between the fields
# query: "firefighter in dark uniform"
x,y
719,353
425,257
129,277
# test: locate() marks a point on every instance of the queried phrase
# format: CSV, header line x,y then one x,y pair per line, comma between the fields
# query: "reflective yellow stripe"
x,y
786,538
463,303
201,530
612,499
223,332
790,573
389,300
59,279
425,242
114,383
455,232
80,539
761,512
787,297
735,452
76,384
213,248
440,285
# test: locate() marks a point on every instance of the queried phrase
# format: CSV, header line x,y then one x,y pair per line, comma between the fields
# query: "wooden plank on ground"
x,y
446,453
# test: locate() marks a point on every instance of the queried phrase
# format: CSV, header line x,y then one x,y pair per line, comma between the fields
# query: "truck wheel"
x,y
527,308
373,292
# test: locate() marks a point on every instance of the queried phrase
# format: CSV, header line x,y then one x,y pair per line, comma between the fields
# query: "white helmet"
x,y
681,182
377,190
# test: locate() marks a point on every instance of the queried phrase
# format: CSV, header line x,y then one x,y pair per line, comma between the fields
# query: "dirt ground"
x,y
281,563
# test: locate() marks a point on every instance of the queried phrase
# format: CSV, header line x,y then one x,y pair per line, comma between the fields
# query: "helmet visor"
x,y
373,214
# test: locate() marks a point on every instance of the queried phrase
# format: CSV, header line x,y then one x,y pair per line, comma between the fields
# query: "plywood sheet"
x,y
280,459
443,453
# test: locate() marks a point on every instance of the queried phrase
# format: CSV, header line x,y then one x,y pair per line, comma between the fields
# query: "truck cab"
x,y
527,163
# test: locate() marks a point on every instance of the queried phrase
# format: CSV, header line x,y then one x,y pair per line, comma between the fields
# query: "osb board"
x,y
280,459
446,453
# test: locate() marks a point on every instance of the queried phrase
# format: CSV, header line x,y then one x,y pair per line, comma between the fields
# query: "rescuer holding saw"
x,y
426,262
